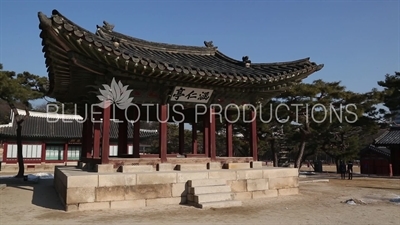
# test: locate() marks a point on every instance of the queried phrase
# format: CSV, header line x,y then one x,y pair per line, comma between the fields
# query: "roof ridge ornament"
x,y
246,61
209,44
108,26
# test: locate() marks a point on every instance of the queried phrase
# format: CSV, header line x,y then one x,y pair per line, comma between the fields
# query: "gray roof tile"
x,y
390,137
37,126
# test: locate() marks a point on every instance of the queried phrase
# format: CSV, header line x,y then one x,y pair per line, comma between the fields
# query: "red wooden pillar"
x,y
390,170
88,135
194,138
136,133
105,145
65,153
212,139
181,138
229,135
206,133
96,138
122,134
253,135
163,133
87,139
84,140
43,154
5,152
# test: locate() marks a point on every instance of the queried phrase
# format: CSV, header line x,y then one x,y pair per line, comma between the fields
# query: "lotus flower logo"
x,y
115,94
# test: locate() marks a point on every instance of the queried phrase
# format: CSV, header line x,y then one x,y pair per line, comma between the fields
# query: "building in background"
x,y
56,138
391,140
375,160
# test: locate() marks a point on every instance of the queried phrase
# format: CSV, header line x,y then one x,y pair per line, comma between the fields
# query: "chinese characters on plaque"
x,y
188,94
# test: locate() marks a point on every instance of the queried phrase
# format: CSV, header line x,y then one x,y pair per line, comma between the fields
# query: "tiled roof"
x,y
379,149
390,137
161,61
43,125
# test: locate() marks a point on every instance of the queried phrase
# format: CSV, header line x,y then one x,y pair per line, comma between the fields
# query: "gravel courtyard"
x,y
317,203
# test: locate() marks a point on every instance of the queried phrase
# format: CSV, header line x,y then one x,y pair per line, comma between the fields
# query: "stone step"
x,y
215,197
209,189
220,204
206,182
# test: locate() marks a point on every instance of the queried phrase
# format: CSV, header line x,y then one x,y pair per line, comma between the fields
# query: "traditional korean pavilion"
x,y
80,63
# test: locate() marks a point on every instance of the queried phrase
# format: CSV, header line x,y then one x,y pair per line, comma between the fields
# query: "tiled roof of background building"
x,y
390,137
47,125
379,149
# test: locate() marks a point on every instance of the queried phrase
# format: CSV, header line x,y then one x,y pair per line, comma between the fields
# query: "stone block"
x,y
94,206
179,189
191,167
105,168
249,174
109,180
60,175
148,191
256,164
215,197
222,174
128,204
72,208
264,194
283,182
242,196
235,166
165,167
136,168
206,182
288,191
116,179
156,178
210,189
238,185
280,172
185,176
61,190
214,166
115,193
80,195
257,185
166,201
41,167
130,179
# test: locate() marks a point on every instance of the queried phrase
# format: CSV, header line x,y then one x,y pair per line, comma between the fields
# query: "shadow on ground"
x,y
44,195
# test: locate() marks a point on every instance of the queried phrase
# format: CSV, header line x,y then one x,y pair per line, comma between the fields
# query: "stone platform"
x,y
141,186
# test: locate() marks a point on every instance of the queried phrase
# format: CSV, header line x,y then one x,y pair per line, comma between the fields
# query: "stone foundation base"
x,y
83,190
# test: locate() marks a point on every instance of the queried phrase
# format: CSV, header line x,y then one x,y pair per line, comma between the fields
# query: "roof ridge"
x,y
106,32
62,116
306,60
50,115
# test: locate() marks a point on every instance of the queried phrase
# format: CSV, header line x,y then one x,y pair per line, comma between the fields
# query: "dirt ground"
x,y
329,168
317,203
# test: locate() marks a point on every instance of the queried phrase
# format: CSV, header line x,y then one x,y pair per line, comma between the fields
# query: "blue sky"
x,y
358,41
